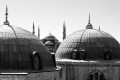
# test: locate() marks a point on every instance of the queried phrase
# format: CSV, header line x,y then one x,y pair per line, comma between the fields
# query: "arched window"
x,y
96,76
36,60
82,55
78,55
107,55
53,57
90,77
102,77
74,54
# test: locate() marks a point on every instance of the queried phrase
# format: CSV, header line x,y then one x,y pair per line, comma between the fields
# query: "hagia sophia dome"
x,y
20,49
89,44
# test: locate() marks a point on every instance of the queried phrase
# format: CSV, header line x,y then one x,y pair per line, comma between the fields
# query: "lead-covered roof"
x,y
93,42
17,46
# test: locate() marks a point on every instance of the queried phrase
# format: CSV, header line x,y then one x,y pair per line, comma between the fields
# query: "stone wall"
x,y
79,70
52,75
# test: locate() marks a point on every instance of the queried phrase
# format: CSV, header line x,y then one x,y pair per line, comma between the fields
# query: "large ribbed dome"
x,y
93,43
18,48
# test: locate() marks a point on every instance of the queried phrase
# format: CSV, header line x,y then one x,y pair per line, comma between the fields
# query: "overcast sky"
x,y
50,15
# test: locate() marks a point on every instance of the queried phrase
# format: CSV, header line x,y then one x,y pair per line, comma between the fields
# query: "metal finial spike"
x,y
6,13
89,26
49,33
6,22
89,18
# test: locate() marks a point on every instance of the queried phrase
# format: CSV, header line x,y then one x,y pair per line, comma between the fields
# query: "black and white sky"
x,y
50,15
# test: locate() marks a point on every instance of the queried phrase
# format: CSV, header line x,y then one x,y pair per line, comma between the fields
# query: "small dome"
x,y
50,38
18,47
51,43
91,44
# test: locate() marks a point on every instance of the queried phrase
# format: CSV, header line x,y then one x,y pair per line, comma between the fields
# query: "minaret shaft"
x,y
33,28
38,32
64,31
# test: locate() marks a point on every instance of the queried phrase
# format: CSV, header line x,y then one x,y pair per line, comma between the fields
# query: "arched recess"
x,y
53,57
107,55
79,55
36,60
82,55
96,75
74,55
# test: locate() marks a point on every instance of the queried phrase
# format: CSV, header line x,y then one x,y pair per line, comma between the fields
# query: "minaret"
x,y
99,27
89,26
6,21
38,32
64,31
33,29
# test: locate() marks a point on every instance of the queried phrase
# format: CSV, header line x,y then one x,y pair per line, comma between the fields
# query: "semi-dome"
x,y
19,49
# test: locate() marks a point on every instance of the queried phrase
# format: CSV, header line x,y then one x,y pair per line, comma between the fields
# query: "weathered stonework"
x,y
81,70
50,75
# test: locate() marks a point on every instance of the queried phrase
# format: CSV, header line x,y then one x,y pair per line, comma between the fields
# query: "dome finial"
x,y
99,27
49,33
89,19
6,22
89,26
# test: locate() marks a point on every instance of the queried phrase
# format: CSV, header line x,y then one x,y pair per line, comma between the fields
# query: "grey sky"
x,y
50,15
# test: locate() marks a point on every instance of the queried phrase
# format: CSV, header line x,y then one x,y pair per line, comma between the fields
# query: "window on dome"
x,y
74,54
36,60
78,55
82,55
107,55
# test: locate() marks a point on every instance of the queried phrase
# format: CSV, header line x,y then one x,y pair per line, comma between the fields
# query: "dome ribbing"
x,y
17,47
90,41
